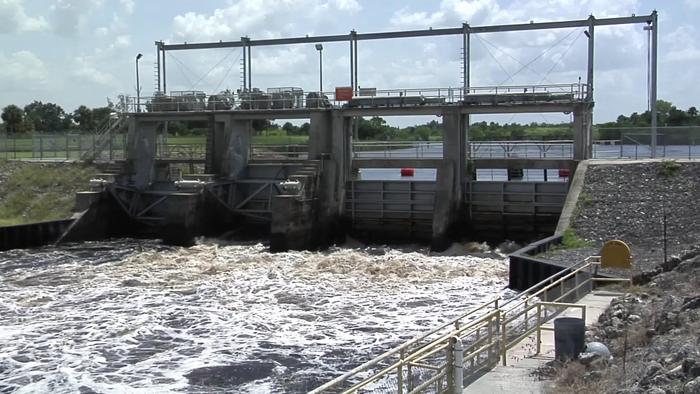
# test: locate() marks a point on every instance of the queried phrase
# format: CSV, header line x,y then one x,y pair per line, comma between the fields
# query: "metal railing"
x,y
288,99
461,351
398,362
278,151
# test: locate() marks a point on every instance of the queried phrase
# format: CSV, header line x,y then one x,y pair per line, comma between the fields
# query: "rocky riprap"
x,y
653,333
628,201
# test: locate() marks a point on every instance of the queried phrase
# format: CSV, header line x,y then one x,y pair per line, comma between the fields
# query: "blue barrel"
x,y
569,338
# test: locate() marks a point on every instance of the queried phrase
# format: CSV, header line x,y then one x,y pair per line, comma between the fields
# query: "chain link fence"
x,y
59,146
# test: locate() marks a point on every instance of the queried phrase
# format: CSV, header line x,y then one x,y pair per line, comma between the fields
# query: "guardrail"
x,y
278,151
456,357
295,98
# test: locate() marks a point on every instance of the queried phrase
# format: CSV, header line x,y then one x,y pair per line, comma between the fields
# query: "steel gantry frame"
x,y
465,31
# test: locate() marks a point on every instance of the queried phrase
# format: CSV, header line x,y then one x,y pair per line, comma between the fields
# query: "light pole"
x,y
138,87
319,47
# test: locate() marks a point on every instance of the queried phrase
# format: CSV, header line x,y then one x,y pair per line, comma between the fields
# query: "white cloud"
x,y
86,69
69,17
122,41
13,18
22,69
404,18
128,6
347,5
267,18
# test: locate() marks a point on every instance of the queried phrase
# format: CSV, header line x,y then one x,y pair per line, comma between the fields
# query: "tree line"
x,y
50,118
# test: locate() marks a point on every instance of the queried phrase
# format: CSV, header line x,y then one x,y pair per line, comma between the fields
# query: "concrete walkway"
x,y
516,376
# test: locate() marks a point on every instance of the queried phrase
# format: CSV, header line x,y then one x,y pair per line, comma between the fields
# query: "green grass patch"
x,y
668,168
571,240
34,192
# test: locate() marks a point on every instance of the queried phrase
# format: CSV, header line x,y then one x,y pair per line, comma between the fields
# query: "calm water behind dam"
x,y
136,316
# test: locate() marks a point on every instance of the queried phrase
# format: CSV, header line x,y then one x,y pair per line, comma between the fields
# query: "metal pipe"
x,y
654,53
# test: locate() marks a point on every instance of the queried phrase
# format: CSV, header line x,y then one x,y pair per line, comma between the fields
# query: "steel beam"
x,y
415,33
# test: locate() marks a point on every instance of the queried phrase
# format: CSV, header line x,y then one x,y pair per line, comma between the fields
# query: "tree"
x,y
13,116
84,116
692,112
47,117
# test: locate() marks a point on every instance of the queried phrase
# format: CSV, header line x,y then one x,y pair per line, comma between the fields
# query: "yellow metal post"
x,y
539,326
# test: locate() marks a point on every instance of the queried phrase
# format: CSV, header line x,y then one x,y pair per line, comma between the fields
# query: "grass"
x,y
34,192
571,240
257,139
668,168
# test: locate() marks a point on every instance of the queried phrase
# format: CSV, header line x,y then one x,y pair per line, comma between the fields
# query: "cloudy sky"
x,y
75,52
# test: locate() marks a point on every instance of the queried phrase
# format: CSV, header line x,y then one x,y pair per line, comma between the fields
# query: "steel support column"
x,y
652,94
591,50
165,86
157,67
245,66
250,67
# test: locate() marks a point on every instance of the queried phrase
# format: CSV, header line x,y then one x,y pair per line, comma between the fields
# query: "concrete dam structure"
x,y
313,196
312,199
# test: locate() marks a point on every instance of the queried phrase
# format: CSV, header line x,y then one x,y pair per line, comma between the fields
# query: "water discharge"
x,y
137,316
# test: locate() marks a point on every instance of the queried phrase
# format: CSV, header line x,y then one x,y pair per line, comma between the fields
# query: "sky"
x,y
74,52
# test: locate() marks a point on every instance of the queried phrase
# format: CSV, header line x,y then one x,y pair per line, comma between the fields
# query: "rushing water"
x,y
137,316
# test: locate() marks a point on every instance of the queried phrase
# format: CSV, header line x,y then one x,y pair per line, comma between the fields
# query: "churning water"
x,y
136,316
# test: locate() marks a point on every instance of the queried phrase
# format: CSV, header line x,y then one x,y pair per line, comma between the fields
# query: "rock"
x,y
691,367
655,390
587,358
691,303
692,387
634,318
652,369
592,375
598,349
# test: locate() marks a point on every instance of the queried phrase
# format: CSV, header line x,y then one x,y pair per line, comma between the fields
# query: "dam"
x,y
313,196
306,201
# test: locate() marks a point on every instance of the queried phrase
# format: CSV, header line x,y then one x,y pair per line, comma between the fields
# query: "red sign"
x,y
343,93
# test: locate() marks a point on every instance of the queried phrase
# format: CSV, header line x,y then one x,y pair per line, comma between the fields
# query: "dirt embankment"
x,y
653,333
33,192
629,202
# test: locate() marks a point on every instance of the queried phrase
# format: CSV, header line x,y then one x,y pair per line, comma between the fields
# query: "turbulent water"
x,y
137,316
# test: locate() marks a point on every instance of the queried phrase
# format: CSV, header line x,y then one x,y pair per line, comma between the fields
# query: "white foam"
x,y
142,322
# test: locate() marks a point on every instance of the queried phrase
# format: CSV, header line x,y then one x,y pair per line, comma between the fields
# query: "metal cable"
x,y
493,57
496,47
182,67
539,56
562,56
213,67
233,63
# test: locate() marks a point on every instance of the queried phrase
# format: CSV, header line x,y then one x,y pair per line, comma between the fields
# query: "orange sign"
x,y
343,93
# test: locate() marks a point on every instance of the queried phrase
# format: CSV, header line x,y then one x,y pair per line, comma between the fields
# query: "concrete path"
x,y
515,377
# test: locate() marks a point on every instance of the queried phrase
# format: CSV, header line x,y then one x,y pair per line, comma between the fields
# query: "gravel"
x,y
628,201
